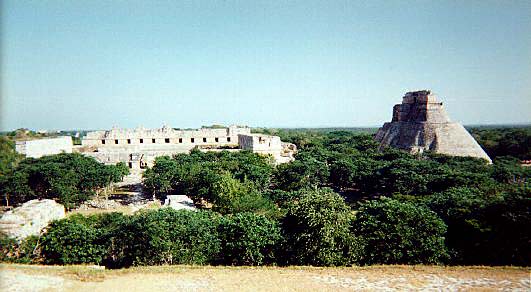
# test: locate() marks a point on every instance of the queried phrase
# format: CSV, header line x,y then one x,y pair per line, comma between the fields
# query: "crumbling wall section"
x,y
139,147
268,145
165,135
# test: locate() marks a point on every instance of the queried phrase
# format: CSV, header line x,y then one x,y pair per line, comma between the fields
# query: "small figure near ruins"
x,y
420,123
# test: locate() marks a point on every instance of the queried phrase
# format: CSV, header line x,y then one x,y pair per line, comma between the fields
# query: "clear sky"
x,y
97,64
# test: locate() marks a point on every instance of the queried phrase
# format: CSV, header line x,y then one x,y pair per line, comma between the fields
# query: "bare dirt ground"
x,y
207,278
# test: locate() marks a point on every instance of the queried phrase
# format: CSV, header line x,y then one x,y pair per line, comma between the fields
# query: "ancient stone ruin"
x,y
420,123
30,218
139,147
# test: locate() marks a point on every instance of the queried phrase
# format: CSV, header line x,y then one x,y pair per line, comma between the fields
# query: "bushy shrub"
x,y
79,239
485,229
230,196
283,198
25,251
508,218
248,239
317,230
166,236
305,172
391,232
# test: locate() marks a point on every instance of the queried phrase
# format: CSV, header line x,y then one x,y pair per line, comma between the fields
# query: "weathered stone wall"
x,y
420,106
137,157
268,145
150,137
139,147
421,123
45,146
259,143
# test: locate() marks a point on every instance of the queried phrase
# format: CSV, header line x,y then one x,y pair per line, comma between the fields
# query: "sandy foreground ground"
x,y
208,278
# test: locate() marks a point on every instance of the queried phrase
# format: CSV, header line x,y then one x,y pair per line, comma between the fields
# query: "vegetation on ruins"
x,y
25,251
341,202
26,134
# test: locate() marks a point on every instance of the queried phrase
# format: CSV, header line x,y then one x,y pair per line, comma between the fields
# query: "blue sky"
x,y
98,64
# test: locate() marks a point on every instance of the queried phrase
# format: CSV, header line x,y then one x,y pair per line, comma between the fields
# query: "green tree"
x,y
159,179
317,230
503,141
248,239
9,159
70,178
229,182
166,236
392,232
509,219
507,169
300,174
79,239
231,196
355,174
485,229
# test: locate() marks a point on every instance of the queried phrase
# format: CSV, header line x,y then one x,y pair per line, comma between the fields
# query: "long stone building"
x,y
420,123
139,147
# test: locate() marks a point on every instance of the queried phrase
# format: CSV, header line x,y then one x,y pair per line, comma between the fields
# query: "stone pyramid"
x,y
420,123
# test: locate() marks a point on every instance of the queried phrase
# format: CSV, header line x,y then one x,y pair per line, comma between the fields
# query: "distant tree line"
x,y
507,141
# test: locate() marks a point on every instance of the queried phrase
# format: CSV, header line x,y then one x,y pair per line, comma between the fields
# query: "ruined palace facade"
x,y
420,123
267,145
139,147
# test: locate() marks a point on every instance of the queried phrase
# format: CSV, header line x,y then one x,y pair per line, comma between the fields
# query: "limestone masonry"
x,y
139,147
30,218
48,146
421,123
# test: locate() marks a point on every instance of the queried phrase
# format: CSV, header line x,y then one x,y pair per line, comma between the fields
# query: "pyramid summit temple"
x,y
420,123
